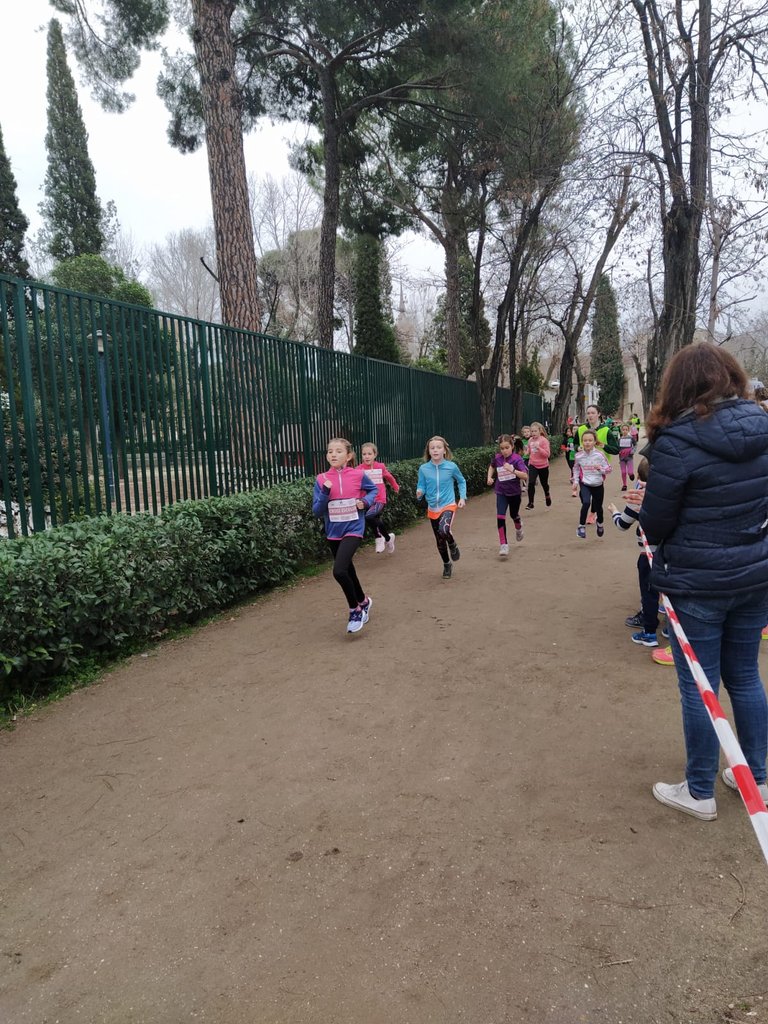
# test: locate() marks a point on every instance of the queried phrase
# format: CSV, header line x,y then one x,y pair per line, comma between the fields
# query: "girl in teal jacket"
x,y
438,478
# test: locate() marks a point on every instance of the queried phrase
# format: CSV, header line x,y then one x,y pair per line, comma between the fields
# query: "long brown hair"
x,y
696,378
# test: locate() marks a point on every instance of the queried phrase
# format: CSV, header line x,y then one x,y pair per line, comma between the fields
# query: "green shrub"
x,y
100,585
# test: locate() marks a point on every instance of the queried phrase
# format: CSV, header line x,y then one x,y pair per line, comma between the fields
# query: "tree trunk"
x,y
452,302
220,97
330,222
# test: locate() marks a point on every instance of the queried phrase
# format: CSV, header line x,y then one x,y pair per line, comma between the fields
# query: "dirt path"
x,y
445,819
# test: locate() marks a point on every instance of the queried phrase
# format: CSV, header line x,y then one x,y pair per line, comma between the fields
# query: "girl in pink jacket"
x,y
381,476
538,463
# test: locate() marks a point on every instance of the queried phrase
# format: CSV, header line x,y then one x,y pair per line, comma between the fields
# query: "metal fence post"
x,y
309,461
28,407
210,434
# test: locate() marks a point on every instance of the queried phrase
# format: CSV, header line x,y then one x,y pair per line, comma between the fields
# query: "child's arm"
x,y
606,468
576,476
421,483
389,479
459,478
624,520
320,497
491,475
370,491
544,448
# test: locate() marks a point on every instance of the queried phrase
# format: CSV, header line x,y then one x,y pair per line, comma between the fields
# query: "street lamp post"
x,y
104,403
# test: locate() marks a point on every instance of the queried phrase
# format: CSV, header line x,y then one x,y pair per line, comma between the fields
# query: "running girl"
x,y
381,476
626,451
437,477
509,469
525,434
590,468
341,497
538,463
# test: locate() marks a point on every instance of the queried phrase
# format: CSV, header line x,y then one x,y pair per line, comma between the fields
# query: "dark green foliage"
x,y
71,208
13,223
529,376
606,365
374,333
103,584
92,275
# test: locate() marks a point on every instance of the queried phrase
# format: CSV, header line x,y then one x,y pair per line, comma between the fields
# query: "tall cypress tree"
x,y
607,367
374,333
13,223
71,207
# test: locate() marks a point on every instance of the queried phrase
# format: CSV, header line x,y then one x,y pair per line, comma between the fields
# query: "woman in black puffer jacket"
x,y
706,507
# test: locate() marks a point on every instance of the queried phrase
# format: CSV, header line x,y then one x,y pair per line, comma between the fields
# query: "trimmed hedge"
x,y
100,585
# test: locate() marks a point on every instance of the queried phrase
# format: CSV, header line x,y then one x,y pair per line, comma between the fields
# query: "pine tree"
x,y
13,223
71,209
607,367
374,334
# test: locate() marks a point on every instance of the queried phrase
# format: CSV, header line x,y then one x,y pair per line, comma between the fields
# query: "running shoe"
x,y
663,656
665,633
447,570
635,621
548,501
600,529
455,553
503,550
519,536
379,545
356,620
728,778
529,506
390,544
365,608
646,639
678,795
581,531
624,487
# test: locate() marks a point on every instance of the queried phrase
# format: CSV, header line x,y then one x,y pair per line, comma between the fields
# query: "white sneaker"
x,y
390,544
503,550
730,781
519,534
379,545
365,608
678,795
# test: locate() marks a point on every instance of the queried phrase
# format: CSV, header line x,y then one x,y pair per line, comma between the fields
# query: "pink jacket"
x,y
381,476
538,452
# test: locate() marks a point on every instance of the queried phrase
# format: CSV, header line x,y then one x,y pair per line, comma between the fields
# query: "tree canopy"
x,y
71,209
13,223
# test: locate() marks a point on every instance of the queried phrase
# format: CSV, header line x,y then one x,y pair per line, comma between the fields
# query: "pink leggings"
x,y
627,468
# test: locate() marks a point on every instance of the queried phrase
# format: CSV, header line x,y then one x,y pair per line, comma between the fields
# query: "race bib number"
x,y
343,510
625,442
375,475
505,472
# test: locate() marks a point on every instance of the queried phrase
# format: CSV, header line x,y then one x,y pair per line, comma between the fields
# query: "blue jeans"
x,y
724,631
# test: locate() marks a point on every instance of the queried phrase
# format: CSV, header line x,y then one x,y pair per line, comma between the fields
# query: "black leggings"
x,y
533,475
344,551
504,502
376,524
442,530
593,495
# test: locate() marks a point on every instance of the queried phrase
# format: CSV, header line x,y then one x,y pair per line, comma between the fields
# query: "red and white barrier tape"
x,y
750,794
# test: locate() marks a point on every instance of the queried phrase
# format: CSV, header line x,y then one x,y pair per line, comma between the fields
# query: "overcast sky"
x,y
156,189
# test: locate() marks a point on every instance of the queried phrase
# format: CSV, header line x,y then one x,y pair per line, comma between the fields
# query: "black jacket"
x,y
706,502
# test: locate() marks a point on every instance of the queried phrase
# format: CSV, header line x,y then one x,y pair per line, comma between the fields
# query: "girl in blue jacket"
x,y
438,478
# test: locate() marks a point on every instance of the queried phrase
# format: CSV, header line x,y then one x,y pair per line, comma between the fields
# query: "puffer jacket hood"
x,y
737,431
706,501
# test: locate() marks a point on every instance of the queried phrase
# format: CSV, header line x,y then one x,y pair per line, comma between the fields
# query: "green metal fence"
x,y
110,407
